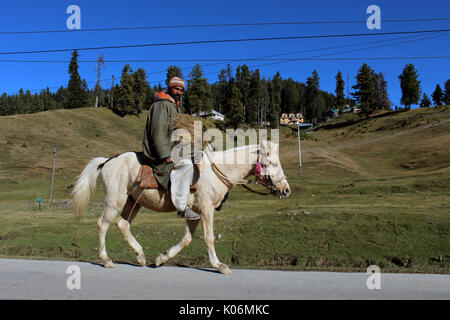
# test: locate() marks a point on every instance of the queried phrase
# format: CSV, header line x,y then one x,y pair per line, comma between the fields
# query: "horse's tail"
x,y
85,185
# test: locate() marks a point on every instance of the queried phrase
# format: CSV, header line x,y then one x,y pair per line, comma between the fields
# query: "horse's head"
x,y
269,171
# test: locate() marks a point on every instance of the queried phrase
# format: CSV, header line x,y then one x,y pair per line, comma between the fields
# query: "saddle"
x,y
146,178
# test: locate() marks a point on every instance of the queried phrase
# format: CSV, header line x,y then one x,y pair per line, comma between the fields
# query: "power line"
x,y
412,38
230,41
218,25
248,59
289,60
417,38
332,53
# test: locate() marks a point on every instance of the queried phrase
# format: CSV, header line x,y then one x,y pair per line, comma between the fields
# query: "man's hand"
x,y
168,160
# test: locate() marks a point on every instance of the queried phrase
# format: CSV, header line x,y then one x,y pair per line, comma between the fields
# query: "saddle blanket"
x,y
146,178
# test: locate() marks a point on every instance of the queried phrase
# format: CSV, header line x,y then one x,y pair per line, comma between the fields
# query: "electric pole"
x,y
111,95
348,94
100,63
53,174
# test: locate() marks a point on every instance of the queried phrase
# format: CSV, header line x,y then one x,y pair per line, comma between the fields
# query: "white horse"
x,y
216,180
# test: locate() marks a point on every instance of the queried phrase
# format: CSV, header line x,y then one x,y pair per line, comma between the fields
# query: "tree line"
x,y
242,95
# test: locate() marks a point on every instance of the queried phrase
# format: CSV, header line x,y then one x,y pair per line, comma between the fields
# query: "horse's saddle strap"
x,y
146,178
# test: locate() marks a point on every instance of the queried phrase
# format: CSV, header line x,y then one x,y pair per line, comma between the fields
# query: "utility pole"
x,y
111,95
100,62
53,174
300,173
348,94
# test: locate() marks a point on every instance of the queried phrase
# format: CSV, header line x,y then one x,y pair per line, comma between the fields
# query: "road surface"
x,y
69,280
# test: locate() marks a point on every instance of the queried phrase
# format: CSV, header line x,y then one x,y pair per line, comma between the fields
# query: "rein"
x,y
259,179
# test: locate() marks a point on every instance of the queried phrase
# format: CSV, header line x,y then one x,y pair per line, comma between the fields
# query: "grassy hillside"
x,y
27,142
373,191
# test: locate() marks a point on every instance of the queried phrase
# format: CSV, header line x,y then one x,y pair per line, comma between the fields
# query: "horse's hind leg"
x,y
191,225
129,212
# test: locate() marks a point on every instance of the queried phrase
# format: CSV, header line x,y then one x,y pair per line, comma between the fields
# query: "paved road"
x,y
34,279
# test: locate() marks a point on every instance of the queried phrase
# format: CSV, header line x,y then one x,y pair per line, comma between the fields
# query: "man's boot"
x,y
189,214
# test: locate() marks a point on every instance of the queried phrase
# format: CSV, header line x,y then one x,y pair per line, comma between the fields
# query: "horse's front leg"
x,y
208,235
191,225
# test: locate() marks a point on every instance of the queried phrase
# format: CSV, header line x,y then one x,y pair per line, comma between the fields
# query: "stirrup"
x,y
189,214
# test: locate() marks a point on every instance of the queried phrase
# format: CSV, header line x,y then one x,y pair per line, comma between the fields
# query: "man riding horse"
x,y
157,148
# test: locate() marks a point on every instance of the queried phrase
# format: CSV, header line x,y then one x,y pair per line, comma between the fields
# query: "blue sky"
x,y
51,15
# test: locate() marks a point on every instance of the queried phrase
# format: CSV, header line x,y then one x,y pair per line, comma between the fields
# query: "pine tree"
x,y
27,98
125,103
276,100
312,103
340,96
198,93
235,107
76,95
382,99
140,85
224,89
329,104
301,89
366,89
410,86
289,97
425,103
243,78
60,96
158,88
149,93
437,95
3,105
447,92
254,98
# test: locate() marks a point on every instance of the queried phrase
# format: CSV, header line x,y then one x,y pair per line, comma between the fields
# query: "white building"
x,y
212,115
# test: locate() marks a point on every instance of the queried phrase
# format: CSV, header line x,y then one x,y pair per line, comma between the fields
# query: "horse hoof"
x,y
108,264
159,260
223,269
142,261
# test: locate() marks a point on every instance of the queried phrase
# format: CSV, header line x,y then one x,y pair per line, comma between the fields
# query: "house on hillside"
x,y
291,118
357,108
346,109
211,115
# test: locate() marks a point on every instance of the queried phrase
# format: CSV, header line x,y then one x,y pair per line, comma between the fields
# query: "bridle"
x,y
260,178
265,179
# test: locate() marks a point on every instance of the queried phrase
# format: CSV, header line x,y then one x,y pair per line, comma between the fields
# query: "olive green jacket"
x,y
156,145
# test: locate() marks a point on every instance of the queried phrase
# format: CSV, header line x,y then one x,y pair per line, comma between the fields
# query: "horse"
x,y
217,178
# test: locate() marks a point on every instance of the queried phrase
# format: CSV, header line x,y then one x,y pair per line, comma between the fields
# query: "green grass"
x,y
397,232
357,204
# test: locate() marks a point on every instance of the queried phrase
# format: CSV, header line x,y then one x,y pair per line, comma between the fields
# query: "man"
x,y
157,147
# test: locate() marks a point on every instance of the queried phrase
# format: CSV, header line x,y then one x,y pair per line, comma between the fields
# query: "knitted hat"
x,y
175,81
